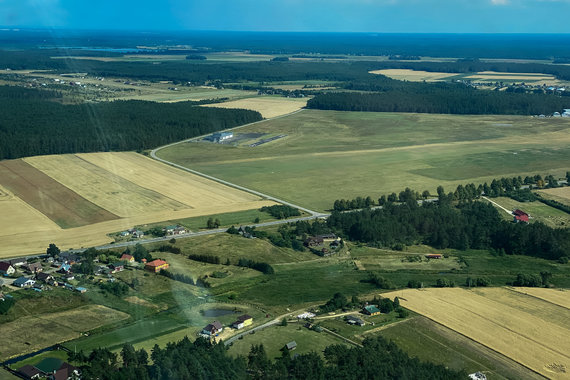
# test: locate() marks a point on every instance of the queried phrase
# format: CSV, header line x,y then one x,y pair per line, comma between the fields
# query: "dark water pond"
x,y
217,312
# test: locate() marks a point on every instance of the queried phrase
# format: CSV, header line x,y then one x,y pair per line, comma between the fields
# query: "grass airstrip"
x,y
76,200
328,155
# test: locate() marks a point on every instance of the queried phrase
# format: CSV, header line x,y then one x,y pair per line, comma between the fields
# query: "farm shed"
x,y
242,321
291,345
353,320
520,216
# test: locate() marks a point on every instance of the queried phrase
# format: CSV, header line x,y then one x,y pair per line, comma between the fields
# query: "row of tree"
x,y
470,224
201,360
439,98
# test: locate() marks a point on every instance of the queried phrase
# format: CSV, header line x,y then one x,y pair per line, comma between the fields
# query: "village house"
x,y
313,241
242,321
64,268
44,277
6,268
23,282
17,261
34,267
520,216
175,230
50,368
69,258
127,258
156,265
117,267
30,372
371,310
212,329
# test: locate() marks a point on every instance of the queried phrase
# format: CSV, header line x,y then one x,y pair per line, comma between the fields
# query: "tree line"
x,y
201,360
31,125
440,98
470,224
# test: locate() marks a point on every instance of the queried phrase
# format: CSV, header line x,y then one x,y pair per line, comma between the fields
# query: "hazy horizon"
x,y
345,16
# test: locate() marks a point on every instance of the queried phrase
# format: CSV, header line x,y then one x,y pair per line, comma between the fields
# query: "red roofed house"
x,y
156,265
520,216
127,258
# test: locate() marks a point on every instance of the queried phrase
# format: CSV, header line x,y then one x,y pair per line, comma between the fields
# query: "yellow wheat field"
x,y
16,215
267,106
139,190
413,75
533,334
105,188
556,296
191,190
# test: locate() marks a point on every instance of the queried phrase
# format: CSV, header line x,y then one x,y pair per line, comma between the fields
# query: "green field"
x,y
329,155
276,337
538,211
429,341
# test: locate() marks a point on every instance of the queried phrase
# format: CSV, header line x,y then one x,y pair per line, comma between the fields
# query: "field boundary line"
x,y
484,345
521,334
537,297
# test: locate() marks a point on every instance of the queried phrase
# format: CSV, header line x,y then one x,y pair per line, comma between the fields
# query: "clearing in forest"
x,y
268,106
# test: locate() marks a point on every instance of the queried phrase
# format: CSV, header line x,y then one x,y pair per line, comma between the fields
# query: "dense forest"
x,y
441,98
186,360
32,125
471,224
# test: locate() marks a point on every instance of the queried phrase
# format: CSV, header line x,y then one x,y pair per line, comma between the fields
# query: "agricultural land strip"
x,y
268,106
139,189
492,318
62,205
561,194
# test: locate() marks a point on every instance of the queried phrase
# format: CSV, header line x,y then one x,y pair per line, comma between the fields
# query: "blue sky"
x,y
408,16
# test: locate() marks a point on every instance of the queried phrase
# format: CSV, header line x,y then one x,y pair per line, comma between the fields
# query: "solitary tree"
x,y
53,250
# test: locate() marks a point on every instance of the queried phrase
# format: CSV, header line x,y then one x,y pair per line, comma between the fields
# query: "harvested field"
x,y
137,189
166,180
103,187
268,106
561,194
526,329
62,205
29,334
17,213
413,75
556,296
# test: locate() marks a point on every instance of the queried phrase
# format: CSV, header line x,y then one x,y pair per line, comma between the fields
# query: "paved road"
x,y
199,233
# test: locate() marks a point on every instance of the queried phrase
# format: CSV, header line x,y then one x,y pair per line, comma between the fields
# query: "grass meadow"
x,y
328,155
